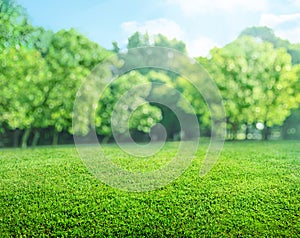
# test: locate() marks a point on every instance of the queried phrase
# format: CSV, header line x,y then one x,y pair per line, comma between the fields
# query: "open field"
x,y
254,190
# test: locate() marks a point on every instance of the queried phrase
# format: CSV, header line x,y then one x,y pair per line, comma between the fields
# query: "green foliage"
x,y
162,41
24,85
41,72
267,34
67,74
171,79
143,117
256,81
291,127
254,190
70,56
138,40
14,26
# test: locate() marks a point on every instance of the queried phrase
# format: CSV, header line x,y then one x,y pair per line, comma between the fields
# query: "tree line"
x,y
41,72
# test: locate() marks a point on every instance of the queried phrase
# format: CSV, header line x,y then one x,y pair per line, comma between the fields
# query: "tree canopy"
x,y
41,72
257,82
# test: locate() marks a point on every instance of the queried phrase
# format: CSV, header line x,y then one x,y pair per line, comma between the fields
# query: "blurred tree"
x,y
198,103
116,48
257,83
24,86
70,56
138,40
267,34
157,93
169,120
14,26
163,41
143,117
291,127
16,33
41,71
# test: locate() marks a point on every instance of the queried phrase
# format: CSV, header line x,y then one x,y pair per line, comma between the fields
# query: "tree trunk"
x,y
16,138
55,137
235,129
266,133
105,139
247,132
25,137
36,137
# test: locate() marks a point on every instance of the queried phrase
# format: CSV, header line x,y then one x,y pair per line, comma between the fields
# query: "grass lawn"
x,y
254,190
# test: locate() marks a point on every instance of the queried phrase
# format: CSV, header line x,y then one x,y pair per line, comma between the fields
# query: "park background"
x,y
253,187
41,71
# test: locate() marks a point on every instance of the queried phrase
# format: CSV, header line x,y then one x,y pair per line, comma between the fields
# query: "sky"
x,y
201,24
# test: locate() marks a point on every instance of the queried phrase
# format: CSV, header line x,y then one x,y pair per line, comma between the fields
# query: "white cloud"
x,y
276,23
164,26
200,46
272,20
192,7
296,3
293,35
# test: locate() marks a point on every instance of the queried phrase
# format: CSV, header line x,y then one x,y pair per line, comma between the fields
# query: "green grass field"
x,y
254,190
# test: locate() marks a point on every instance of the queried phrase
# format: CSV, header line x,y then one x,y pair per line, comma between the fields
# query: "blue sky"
x,y
201,24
